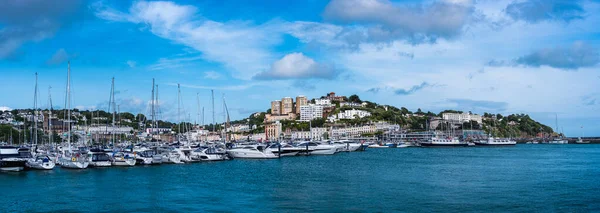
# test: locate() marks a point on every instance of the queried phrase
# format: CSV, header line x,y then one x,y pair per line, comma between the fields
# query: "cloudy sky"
x,y
538,57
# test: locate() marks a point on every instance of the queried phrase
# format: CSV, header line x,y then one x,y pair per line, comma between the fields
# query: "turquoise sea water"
x,y
524,178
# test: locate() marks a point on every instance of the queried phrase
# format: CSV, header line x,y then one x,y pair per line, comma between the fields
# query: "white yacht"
x,y
123,159
148,157
99,158
346,146
377,145
491,141
41,162
443,142
171,157
316,148
210,154
285,149
10,160
252,151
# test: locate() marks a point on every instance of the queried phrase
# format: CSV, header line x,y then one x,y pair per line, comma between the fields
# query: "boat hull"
x,y
250,155
12,165
74,165
128,162
100,164
39,165
495,144
323,151
443,145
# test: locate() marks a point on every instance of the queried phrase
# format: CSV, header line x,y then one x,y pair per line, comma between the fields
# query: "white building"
x,y
323,102
238,128
310,112
318,133
352,104
109,129
352,131
301,135
464,117
349,114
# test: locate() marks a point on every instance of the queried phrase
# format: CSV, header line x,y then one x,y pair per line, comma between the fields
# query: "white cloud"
x,y
240,46
297,66
5,108
416,23
131,63
59,57
212,75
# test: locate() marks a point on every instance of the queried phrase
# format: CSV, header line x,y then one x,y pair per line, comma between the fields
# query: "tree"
x,y
354,99
318,122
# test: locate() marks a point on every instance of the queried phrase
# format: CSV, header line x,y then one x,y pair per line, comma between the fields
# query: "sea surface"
x,y
523,178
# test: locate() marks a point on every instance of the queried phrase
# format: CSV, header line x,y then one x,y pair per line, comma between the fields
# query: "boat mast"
x,y
111,105
197,122
179,111
69,105
50,115
35,112
152,113
157,112
212,95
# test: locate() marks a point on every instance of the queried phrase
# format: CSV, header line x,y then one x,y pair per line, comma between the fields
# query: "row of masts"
x,y
113,109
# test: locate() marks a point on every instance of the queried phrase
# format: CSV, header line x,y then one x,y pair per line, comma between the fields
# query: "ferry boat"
x,y
491,141
443,142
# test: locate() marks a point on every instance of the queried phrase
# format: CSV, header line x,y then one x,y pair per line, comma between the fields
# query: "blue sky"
x,y
538,57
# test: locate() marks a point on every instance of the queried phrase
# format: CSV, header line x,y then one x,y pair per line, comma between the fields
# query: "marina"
x,y
521,178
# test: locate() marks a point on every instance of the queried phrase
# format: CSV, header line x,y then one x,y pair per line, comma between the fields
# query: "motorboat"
x,y
210,154
316,148
123,159
252,151
10,159
377,145
41,162
443,142
171,157
285,149
491,141
99,158
148,157
346,146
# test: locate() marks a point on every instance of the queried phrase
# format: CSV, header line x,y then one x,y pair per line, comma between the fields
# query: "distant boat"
x,y
252,152
491,141
580,141
439,142
315,148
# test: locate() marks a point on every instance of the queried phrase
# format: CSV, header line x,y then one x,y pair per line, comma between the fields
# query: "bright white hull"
x,y
41,165
74,164
100,164
242,153
127,162
12,169
378,146
171,160
329,151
